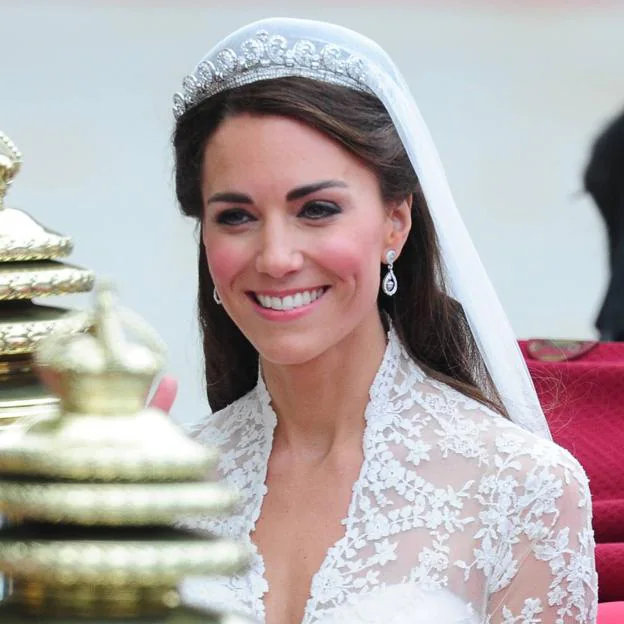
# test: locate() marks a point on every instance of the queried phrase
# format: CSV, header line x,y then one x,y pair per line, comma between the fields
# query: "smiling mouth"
x,y
289,302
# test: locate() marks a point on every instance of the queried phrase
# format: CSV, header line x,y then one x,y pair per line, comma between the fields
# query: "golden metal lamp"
x,y
30,268
93,493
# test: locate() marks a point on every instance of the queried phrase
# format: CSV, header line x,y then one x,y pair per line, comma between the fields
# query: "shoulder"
x,y
483,443
547,477
539,486
531,496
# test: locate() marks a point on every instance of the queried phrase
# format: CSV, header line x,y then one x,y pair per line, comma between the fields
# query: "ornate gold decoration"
x,y
10,164
29,269
140,563
113,504
22,330
95,489
22,238
88,447
18,365
42,279
24,403
41,599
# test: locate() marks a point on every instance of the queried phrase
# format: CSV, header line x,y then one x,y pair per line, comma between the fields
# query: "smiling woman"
x,y
298,230
370,399
290,137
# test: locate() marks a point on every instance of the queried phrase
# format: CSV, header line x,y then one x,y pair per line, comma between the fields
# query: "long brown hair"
x,y
430,324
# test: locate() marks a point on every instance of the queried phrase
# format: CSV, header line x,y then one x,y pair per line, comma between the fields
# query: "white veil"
x,y
291,47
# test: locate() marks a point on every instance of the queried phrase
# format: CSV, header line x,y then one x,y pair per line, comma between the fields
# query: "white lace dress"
x,y
457,516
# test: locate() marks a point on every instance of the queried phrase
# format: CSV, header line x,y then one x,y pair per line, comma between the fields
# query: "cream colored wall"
x,y
512,96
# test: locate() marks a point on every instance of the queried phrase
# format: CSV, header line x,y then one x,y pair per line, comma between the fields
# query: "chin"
x,y
292,350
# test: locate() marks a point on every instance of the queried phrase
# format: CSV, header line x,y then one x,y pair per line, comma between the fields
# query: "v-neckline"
x,y
378,392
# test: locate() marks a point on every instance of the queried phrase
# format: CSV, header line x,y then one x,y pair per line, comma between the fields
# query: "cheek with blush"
x,y
352,259
224,261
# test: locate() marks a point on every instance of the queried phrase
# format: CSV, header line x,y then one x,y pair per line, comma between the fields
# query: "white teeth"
x,y
290,302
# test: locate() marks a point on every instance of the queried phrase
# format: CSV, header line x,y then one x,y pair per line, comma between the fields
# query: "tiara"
x,y
264,57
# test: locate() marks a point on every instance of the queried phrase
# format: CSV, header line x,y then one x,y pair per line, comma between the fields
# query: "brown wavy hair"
x,y
430,324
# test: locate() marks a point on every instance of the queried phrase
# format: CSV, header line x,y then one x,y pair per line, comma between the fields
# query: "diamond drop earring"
x,y
215,296
389,284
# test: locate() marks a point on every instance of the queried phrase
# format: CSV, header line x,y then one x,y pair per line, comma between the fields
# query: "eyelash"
x,y
226,217
232,217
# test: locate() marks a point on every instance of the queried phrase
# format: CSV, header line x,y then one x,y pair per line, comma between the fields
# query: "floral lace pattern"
x,y
452,500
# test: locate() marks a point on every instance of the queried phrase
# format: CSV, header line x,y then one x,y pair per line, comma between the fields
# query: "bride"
x,y
369,398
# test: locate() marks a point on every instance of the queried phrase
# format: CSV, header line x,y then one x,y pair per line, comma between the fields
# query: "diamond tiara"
x,y
265,57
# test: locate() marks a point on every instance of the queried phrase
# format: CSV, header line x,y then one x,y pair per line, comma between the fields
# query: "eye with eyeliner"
x,y
317,210
234,217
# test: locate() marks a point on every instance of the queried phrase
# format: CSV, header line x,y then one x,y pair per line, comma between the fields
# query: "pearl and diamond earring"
x,y
389,285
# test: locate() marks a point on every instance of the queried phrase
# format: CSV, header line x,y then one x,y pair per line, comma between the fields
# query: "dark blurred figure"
x,y
604,181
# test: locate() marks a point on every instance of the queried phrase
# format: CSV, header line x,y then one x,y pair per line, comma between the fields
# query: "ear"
x,y
400,224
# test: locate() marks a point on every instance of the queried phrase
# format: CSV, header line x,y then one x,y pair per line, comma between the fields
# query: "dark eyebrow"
x,y
308,189
231,197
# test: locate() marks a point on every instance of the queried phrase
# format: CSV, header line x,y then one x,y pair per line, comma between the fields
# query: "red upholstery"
x,y
610,566
611,613
583,398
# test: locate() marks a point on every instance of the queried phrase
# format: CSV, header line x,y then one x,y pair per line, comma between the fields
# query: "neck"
x,y
320,405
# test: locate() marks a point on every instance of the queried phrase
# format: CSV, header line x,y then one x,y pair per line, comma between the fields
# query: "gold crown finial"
x,y
110,368
10,163
95,492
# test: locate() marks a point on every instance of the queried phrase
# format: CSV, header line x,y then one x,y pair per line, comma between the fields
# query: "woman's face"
x,y
295,230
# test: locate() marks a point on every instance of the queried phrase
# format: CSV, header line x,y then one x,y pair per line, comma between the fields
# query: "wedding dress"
x,y
458,515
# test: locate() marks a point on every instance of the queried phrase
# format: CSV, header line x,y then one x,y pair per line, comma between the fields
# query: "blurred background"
x,y
514,93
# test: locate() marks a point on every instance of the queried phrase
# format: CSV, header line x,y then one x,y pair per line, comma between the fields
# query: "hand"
x,y
165,394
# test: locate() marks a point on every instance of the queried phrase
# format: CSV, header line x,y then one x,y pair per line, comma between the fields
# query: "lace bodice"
x,y
457,512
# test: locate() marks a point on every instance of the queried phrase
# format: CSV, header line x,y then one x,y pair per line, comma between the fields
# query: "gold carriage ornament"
x,y
94,494
30,268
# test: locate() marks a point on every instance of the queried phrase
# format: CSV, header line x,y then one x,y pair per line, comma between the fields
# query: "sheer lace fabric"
x,y
457,512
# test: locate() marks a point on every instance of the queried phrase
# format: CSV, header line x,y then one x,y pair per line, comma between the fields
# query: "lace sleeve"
x,y
549,556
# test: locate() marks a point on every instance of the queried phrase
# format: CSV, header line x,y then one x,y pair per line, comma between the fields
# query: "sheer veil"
x,y
291,47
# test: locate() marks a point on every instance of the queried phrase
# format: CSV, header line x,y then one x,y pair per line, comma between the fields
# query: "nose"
x,y
279,252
